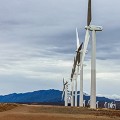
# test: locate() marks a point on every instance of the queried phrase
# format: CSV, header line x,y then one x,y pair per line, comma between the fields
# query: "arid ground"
x,y
38,112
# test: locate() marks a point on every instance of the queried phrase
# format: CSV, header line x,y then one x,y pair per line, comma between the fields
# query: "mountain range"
x,y
42,96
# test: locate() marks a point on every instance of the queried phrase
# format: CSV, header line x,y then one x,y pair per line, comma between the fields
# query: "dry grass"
x,y
75,111
6,106
37,112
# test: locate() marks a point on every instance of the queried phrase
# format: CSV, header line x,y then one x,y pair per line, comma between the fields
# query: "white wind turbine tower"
x,y
73,75
75,71
65,92
76,74
72,90
92,28
81,72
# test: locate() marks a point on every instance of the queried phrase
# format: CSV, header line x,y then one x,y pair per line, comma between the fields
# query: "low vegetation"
x,y
7,106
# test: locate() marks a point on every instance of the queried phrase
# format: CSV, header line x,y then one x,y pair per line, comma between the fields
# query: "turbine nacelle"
x,y
94,28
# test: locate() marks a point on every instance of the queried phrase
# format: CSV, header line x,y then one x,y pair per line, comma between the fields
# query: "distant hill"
x,y
33,97
42,96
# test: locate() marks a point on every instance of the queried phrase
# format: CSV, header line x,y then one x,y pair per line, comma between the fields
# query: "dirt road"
x,y
36,112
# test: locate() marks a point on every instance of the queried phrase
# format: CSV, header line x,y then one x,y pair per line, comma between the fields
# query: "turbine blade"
x,y
73,70
75,63
80,47
78,53
66,83
71,76
63,95
89,17
87,37
63,81
63,88
74,60
63,92
78,57
77,38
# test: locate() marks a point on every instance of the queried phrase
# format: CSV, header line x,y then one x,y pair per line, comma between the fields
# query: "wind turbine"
x,y
92,28
78,65
74,74
72,83
74,78
72,89
77,70
81,72
65,92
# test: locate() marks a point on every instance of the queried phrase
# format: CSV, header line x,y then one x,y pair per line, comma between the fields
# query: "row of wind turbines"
x,y
79,64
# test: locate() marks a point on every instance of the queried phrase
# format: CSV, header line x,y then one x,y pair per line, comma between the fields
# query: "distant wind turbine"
x,y
65,92
75,73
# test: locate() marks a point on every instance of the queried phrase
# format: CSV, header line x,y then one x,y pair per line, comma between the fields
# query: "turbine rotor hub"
x,y
94,28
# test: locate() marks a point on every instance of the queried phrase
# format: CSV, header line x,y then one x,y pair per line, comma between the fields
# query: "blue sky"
x,y
38,42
